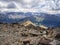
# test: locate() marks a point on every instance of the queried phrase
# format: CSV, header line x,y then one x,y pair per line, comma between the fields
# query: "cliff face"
x,y
17,34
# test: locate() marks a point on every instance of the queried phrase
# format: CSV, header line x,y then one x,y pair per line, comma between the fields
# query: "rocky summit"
x,y
19,34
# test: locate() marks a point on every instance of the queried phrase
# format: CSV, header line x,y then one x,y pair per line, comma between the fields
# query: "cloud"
x,y
11,5
46,6
16,16
3,5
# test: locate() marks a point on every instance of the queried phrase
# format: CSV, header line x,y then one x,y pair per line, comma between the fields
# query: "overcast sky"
x,y
49,6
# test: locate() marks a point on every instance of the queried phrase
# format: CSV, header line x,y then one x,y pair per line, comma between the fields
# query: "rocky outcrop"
x,y
17,34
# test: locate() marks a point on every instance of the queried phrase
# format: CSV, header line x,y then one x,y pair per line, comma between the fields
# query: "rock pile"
x,y
16,34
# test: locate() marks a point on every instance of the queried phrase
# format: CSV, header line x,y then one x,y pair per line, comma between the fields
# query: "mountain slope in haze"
x,y
41,18
51,20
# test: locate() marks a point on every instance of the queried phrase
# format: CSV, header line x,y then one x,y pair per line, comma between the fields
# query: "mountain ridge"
x,y
38,18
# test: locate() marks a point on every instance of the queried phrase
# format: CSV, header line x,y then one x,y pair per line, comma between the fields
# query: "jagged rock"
x,y
45,41
58,36
43,27
27,23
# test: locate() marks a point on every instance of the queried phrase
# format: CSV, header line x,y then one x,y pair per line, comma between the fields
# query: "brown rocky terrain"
x,y
19,34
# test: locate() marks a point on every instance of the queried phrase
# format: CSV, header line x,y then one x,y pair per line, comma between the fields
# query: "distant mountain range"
x,y
50,20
